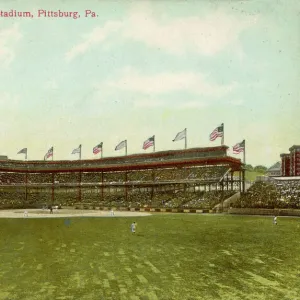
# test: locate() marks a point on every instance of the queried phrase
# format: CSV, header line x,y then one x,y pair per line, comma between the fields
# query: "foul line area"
x,y
67,213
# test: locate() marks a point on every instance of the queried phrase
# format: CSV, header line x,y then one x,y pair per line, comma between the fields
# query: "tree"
x,y
260,169
249,167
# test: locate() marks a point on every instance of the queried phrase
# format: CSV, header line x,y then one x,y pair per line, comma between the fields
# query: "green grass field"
x,y
250,175
171,257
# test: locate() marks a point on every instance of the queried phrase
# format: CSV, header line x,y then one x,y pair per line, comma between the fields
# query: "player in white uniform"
x,y
133,227
25,214
275,220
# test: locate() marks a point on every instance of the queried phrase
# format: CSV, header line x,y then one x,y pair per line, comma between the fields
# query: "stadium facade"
x,y
290,162
196,177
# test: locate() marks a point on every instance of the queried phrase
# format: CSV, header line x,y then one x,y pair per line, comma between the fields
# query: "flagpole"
x,y
154,143
79,152
26,155
244,152
125,147
185,139
52,153
223,135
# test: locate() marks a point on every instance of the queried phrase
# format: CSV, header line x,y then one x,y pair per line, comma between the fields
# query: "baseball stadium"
x,y
192,209
206,214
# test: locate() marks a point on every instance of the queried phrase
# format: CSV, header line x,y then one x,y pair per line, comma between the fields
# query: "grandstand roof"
x,y
157,154
275,167
98,166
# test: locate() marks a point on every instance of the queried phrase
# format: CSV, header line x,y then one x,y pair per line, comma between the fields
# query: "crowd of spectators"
x,y
167,174
11,178
272,194
113,195
208,200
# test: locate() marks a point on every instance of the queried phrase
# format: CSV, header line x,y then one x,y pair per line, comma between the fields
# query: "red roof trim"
x,y
233,162
121,158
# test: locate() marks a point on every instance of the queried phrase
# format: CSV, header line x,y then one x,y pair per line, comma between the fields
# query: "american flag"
x,y
97,148
24,150
121,145
148,143
218,132
49,153
239,147
77,150
180,135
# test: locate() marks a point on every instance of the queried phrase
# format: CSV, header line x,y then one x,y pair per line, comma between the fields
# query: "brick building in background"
x,y
290,163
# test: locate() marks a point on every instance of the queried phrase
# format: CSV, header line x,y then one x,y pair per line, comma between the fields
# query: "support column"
x,y
222,190
26,182
79,190
102,187
243,178
152,189
52,194
126,187
227,181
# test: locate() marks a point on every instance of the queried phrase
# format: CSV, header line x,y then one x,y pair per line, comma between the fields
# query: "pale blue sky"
x,y
142,68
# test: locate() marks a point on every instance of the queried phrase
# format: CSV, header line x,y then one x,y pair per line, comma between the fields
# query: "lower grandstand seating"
x,y
274,194
157,188
7,178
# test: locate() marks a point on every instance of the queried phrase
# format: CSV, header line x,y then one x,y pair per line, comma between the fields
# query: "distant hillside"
x,y
251,175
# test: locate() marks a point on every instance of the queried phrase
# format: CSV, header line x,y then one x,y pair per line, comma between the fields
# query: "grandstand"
x,y
190,178
272,193
280,189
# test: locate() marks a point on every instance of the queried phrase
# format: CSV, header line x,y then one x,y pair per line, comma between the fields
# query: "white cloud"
x,y
8,40
156,103
164,83
96,36
206,36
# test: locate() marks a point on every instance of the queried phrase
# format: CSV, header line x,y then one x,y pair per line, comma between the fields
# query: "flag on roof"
x,y
148,143
97,149
239,147
24,150
180,135
218,132
77,150
121,145
49,153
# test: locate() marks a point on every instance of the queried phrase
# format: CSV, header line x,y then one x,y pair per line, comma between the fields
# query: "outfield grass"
x,y
171,257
